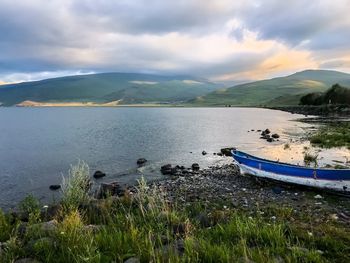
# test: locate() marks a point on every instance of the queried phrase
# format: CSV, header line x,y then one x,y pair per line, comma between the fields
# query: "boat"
x,y
322,178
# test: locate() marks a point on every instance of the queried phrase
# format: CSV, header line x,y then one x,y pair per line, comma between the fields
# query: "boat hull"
x,y
331,179
339,186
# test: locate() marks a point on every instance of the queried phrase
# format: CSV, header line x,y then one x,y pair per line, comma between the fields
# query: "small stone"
x,y
110,189
141,161
203,220
99,174
132,260
277,190
318,197
26,260
275,136
204,153
92,228
278,259
227,151
166,169
334,217
54,187
195,167
48,226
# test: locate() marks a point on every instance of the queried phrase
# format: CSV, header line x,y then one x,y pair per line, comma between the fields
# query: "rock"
x,y
175,171
166,169
26,260
99,174
141,161
318,197
344,216
132,260
203,220
93,228
204,153
109,189
34,245
227,151
277,190
245,260
219,154
95,209
275,136
180,229
278,259
49,212
177,248
49,226
334,217
54,187
22,229
269,140
195,167
267,131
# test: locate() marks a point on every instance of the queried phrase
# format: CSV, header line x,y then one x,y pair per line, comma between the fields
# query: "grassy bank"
x,y
332,135
144,226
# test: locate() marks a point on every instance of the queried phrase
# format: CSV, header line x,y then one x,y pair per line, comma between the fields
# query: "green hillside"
x,y
106,87
274,92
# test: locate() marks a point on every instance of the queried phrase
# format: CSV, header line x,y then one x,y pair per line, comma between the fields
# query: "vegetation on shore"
x,y
143,225
337,94
332,135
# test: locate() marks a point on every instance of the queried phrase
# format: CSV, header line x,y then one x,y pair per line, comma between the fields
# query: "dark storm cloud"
x,y
322,24
166,36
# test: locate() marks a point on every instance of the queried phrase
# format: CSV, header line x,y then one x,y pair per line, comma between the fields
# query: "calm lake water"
x,y
37,145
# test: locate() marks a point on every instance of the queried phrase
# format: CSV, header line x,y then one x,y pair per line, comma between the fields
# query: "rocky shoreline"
x,y
322,110
225,186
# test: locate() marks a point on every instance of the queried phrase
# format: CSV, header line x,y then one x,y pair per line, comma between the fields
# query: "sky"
x,y
221,40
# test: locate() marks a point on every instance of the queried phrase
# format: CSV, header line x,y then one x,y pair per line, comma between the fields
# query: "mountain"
x,y
126,88
275,92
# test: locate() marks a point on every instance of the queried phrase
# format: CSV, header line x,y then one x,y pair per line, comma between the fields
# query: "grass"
x,y
75,188
310,158
146,226
332,135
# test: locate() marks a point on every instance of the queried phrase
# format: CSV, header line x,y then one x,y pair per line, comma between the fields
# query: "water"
x,y
37,145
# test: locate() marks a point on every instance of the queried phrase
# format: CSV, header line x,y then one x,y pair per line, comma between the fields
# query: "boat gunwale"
x,y
246,155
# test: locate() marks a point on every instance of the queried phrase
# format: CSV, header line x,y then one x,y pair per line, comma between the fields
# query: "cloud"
x,y
217,39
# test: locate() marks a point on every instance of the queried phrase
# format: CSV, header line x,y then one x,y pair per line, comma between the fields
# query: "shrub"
x,y
5,227
75,188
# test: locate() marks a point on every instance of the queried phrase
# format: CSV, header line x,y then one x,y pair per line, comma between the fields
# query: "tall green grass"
x,y
75,187
146,226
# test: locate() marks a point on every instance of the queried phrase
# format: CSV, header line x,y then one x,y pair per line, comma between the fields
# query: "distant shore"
x,y
322,110
29,103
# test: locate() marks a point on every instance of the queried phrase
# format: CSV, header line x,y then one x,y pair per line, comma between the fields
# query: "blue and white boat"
x,y
324,178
